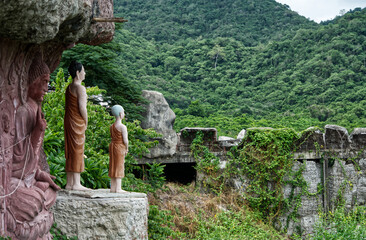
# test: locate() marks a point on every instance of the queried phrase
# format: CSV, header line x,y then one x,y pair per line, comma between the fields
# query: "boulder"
x,y
159,116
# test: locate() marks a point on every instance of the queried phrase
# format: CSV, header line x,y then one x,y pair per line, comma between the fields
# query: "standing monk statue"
x,y
118,149
75,123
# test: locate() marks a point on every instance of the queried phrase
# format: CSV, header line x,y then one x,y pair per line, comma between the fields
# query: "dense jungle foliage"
x,y
317,74
308,76
247,21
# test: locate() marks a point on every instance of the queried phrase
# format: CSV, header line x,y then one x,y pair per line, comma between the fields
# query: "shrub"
x,y
341,224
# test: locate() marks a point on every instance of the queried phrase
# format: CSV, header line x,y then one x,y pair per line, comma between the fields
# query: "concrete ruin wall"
x,y
334,160
183,146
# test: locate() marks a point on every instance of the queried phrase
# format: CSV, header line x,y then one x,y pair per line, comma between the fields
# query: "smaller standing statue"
x,y
75,123
118,149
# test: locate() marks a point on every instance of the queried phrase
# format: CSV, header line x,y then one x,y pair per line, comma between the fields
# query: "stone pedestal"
x,y
99,214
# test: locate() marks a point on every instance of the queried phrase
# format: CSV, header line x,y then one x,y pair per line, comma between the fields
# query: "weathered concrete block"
x,y
241,134
188,134
312,175
342,181
358,138
311,139
361,191
336,137
227,142
362,164
99,214
308,222
308,211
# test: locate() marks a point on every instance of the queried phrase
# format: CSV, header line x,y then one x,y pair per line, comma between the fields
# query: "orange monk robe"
x,y
75,127
117,152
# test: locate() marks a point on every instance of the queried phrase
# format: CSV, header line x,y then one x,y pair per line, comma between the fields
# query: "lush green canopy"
x,y
247,21
297,74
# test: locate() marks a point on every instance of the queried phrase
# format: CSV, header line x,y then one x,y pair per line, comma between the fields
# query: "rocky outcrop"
x,y
99,214
159,116
64,21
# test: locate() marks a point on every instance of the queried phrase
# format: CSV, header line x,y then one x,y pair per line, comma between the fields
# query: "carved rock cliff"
x,y
64,21
35,33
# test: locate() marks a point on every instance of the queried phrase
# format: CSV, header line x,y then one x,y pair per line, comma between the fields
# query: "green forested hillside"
x,y
318,74
321,72
248,21
311,76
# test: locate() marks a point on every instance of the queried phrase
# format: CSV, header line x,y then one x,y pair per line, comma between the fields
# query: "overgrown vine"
x,y
265,158
265,164
207,164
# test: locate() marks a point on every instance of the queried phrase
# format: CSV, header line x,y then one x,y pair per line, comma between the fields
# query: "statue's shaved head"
x,y
116,110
